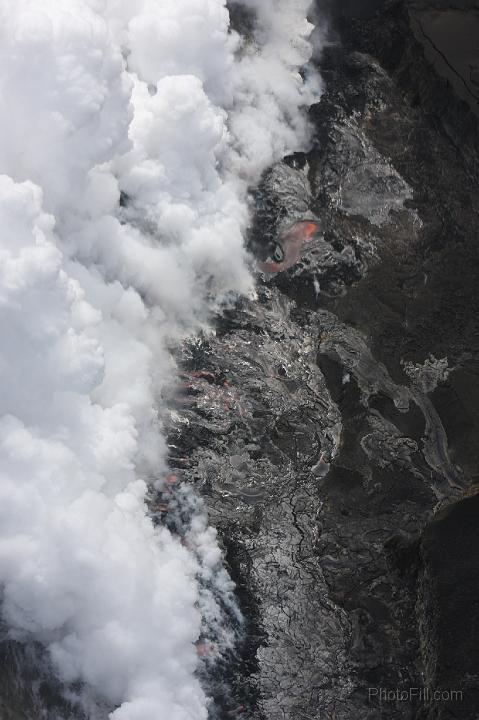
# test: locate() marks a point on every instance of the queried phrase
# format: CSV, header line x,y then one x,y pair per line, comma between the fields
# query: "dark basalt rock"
x,y
344,418
448,610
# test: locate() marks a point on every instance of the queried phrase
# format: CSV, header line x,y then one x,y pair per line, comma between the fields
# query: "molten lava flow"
x,y
291,241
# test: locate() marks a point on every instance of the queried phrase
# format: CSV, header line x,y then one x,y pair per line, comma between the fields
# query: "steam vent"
x,y
239,360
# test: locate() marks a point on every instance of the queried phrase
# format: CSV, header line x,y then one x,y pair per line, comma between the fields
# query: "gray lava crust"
x,y
331,421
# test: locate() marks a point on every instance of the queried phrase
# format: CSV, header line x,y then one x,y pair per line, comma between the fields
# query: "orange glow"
x,y
309,229
204,649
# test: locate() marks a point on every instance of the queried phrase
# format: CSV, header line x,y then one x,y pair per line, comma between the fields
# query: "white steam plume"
x,y
158,100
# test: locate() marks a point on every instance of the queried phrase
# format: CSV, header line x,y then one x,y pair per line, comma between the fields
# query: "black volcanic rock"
x,y
448,608
348,419
450,37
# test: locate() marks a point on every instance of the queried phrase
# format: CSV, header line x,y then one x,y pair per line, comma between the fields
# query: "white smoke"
x,y
158,100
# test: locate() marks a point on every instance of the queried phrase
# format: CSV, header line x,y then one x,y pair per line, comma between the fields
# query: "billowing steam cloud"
x,y
157,100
